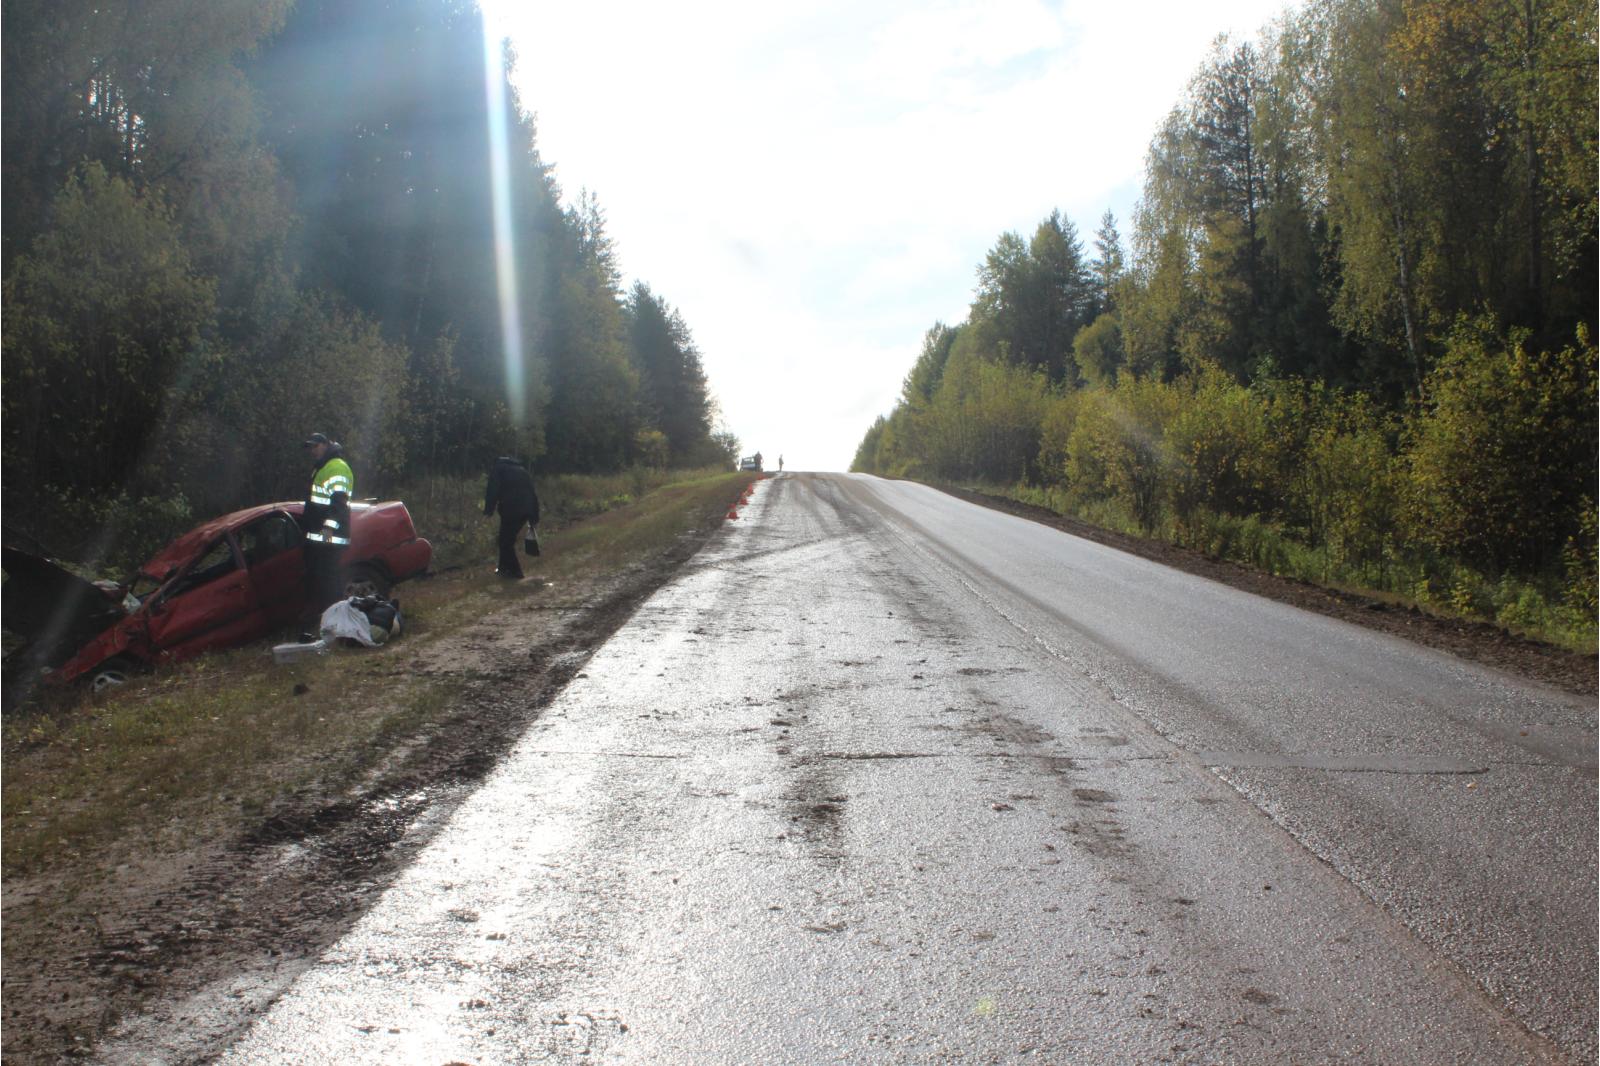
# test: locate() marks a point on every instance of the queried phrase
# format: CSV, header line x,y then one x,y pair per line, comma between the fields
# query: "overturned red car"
x,y
229,581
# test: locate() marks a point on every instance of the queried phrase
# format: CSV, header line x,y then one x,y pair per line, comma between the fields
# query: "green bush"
x,y
650,445
1222,449
1581,589
1055,436
1348,484
1098,350
1521,608
1505,451
1117,449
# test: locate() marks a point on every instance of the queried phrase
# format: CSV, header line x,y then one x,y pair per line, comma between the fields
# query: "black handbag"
x,y
530,543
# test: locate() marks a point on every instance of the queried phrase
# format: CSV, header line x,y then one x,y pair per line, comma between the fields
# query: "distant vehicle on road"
x,y
750,462
226,582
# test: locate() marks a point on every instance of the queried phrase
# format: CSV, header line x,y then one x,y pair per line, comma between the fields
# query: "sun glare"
x,y
505,257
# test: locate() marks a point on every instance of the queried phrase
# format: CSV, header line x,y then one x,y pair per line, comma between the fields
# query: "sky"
x,y
814,185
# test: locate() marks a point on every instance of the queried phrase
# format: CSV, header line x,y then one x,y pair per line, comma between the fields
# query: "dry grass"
x,y
215,740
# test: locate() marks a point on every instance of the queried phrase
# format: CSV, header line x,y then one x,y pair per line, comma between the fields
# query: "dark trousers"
x,y
510,528
324,577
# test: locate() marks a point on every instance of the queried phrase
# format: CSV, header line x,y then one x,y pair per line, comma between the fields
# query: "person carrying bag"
x,y
510,490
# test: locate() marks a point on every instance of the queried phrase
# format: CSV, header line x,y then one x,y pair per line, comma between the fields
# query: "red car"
x,y
232,580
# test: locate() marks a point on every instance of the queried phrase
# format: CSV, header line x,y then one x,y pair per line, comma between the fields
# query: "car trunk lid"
x,y
53,609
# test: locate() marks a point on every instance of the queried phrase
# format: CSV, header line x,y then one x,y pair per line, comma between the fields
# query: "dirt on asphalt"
x,y
203,938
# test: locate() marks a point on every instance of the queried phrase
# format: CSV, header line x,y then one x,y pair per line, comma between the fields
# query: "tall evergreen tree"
x,y
1106,268
1060,297
1033,298
673,381
923,380
594,409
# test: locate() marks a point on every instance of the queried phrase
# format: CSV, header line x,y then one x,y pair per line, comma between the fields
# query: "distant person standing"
x,y
326,522
780,462
511,490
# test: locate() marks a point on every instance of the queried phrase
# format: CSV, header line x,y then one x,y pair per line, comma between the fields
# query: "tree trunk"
x,y
1407,312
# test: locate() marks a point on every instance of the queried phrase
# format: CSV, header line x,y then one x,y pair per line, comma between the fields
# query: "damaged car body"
x,y
229,581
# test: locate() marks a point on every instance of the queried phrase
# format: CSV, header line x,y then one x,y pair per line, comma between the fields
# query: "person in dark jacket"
x,y
511,490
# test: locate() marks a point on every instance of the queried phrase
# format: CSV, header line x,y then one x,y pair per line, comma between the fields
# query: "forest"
x,y
230,224
1349,336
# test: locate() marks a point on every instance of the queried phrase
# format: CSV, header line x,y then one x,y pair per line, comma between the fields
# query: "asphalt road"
x,y
884,776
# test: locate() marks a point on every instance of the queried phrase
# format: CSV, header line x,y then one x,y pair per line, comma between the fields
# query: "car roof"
x,y
184,547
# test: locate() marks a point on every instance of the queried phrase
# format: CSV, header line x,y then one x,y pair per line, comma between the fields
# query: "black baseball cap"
x,y
315,438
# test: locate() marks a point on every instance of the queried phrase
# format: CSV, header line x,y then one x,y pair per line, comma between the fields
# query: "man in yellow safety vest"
x,y
326,521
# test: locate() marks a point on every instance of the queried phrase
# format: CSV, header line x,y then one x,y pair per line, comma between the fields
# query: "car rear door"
x,y
271,546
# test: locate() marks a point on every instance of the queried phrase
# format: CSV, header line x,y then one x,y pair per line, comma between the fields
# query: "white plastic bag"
x,y
344,619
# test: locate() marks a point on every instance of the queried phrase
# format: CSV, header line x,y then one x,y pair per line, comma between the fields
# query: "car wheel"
x,y
112,673
366,579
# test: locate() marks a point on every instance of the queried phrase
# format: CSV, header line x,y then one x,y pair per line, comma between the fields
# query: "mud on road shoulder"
x,y
1479,642
203,936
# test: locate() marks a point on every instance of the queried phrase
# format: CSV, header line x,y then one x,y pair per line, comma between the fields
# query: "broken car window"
x,y
269,537
217,561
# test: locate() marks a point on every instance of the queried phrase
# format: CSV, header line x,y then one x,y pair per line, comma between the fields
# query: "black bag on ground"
x,y
382,613
530,543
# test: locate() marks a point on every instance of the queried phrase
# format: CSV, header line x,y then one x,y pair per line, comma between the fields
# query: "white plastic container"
x,y
293,653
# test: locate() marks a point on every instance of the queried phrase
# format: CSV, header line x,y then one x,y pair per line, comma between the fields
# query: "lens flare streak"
x,y
505,258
